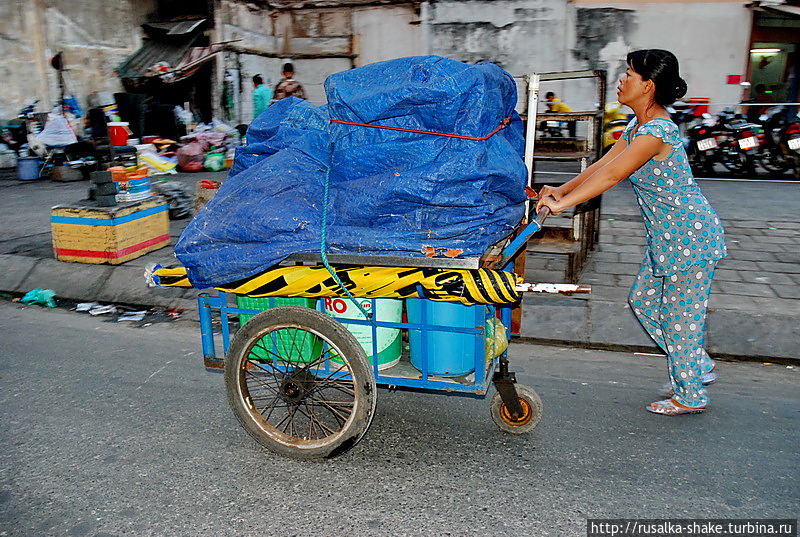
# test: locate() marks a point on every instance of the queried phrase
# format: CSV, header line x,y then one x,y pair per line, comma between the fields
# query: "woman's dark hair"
x,y
660,66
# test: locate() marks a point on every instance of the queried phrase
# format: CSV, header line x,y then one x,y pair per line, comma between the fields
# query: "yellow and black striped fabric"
x,y
479,286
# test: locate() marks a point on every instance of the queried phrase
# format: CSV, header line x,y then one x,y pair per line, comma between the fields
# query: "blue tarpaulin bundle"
x,y
392,192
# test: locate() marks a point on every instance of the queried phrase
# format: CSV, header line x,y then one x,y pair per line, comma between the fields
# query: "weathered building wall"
x,y
95,36
319,42
383,33
709,38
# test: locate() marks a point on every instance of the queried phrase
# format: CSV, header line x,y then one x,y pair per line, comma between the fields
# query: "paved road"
x,y
109,430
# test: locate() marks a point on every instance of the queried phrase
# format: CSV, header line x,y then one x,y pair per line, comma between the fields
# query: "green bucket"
x,y
290,344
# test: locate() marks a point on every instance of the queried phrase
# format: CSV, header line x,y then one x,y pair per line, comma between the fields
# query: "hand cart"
x,y
302,385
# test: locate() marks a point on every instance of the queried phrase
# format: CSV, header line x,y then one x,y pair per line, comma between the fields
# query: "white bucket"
x,y
389,340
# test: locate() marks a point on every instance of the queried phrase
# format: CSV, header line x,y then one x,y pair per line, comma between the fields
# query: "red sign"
x,y
735,79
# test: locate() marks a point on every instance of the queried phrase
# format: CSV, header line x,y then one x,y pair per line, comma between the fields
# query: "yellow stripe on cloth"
x,y
480,286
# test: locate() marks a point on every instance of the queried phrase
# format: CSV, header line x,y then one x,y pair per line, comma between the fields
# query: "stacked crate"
x,y
113,235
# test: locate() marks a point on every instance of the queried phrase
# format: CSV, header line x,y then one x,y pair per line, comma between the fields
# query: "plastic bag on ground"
x,y
191,157
43,297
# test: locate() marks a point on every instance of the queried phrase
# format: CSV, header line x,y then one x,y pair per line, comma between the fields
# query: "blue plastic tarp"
x,y
391,192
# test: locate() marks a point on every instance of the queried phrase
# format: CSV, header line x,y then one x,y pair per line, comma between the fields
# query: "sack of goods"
x,y
419,156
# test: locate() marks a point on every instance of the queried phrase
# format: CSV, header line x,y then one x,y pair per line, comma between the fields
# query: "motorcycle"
x,y
779,150
614,123
702,144
738,143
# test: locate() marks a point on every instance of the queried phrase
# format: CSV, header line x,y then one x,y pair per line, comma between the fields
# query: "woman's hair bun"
x,y
680,88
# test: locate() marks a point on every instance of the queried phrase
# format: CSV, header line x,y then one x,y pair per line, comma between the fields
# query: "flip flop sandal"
x,y
670,407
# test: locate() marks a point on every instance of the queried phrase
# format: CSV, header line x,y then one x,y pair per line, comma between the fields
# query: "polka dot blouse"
x,y
682,228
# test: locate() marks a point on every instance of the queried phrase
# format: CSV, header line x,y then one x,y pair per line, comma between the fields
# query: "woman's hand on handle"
x,y
554,192
551,203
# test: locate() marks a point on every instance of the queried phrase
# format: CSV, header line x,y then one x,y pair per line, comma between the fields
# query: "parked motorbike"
x,y
779,148
614,123
702,145
554,129
738,143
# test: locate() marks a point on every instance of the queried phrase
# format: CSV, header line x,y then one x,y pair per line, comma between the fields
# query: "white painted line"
x,y
737,180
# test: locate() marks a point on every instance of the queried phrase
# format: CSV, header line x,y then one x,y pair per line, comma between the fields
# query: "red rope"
x,y
503,124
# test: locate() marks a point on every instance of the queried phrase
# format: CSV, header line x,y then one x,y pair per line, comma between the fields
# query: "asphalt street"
x,y
109,430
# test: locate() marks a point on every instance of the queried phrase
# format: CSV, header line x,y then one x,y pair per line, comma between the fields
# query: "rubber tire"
x,y
347,346
527,396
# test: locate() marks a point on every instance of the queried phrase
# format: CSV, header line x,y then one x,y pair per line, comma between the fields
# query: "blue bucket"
x,y
449,354
28,168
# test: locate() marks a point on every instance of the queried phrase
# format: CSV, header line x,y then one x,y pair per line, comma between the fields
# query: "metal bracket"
x,y
504,381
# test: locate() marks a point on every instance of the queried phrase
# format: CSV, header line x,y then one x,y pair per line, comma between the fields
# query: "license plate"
x,y
748,143
708,143
553,124
794,143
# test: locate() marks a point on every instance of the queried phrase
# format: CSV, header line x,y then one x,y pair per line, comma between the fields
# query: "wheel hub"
x,y
526,416
296,385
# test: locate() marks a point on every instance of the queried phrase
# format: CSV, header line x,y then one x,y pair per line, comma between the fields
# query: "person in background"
x,y
262,96
555,105
761,96
288,86
685,238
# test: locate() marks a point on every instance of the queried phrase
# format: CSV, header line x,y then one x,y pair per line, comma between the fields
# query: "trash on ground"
x,y
85,306
43,297
101,310
174,313
132,316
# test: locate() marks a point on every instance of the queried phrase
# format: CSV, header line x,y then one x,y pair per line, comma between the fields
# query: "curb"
x,y
554,320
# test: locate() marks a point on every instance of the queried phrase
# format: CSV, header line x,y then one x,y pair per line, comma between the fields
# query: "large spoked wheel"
x,y
531,411
300,383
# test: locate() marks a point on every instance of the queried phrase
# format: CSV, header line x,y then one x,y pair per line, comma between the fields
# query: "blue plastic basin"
x,y
28,168
449,354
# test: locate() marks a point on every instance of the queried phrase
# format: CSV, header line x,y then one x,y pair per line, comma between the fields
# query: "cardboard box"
x,y
114,235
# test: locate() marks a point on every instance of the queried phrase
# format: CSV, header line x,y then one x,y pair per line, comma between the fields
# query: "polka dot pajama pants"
x,y
672,309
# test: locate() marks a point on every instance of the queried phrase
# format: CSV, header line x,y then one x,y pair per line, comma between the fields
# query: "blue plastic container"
x,y
28,168
450,354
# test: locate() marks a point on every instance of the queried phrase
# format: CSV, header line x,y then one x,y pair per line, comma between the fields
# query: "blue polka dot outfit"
x,y
684,242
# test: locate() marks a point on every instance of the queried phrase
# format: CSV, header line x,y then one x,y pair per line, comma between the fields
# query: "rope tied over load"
x,y
503,124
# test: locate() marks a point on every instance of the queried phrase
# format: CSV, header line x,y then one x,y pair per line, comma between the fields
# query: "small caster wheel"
x,y
531,411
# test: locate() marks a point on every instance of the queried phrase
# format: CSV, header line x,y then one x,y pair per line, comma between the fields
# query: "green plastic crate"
x,y
284,343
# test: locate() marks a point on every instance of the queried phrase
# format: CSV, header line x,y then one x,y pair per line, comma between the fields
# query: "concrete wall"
x,y
384,33
319,42
710,39
95,35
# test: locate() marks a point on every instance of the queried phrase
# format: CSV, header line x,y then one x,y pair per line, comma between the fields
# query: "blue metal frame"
x,y
208,304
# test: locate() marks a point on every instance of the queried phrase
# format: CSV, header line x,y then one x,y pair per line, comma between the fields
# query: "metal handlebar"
x,y
542,215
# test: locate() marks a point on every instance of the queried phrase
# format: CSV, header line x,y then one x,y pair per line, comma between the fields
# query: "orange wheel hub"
x,y
506,416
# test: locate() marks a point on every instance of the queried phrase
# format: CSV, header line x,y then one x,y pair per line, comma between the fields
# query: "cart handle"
x,y
521,239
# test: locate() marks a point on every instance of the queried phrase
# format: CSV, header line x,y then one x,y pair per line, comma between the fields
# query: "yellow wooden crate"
x,y
111,235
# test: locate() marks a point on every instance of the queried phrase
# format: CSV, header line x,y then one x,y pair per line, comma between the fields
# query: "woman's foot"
x,y
670,407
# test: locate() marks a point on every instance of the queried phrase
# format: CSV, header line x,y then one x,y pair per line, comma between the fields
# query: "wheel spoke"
x,y
341,418
261,383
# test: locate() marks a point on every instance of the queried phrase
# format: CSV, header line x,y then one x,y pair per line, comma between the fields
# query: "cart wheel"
x,y
531,411
300,383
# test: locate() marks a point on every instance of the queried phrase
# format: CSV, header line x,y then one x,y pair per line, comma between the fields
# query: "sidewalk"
x,y
753,311
754,307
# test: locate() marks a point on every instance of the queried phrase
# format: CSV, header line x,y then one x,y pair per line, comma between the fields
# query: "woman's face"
x,y
631,87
